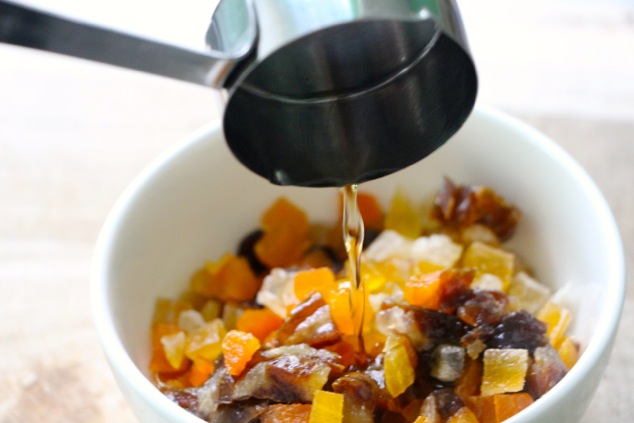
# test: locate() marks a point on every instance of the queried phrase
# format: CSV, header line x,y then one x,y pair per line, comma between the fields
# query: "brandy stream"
x,y
353,231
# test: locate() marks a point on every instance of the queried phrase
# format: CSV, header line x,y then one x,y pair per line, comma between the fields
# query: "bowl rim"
x,y
119,359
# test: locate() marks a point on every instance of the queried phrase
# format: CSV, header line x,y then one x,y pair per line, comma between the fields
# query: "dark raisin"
x,y
369,236
438,327
447,403
247,250
519,329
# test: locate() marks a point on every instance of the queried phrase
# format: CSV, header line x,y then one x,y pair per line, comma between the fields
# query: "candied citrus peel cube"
x,y
308,282
159,362
468,384
327,407
528,294
490,260
504,370
569,352
174,347
399,364
238,347
205,343
403,217
557,319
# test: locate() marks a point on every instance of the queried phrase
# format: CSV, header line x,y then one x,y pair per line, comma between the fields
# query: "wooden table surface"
x,y
73,134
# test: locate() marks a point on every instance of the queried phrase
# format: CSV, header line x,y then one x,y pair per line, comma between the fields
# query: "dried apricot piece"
x,y
200,372
238,347
320,280
259,322
286,413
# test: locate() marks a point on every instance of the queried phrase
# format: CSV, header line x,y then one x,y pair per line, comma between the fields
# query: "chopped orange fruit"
x,y
259,322
490,260
468,384
557,319
424,291
327,407
504,370
423,419
238,347
286,413
341,312
159,362
308,282
399,364
497,408
200,372
403,217
463,415
286,235
569,352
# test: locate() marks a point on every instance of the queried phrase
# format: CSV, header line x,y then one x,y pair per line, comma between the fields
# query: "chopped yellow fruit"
x,y
205,343
320,280
327,407
398,366
423,419
403,217
557,318
486,259
504,370
528,294
463,415
174,347
569,352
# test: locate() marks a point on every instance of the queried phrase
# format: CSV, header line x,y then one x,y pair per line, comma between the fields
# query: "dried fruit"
x,y
327,408
504,370
238,348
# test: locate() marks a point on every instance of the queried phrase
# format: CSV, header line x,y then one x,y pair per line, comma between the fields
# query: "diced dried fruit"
x,y
546,369
519,329
504,370
174,347
463,415
259,322
327,408
285,235
460,206
403,217
308,282
159,362
486,259
200,372
447,362
483,307
238,348
569,351
205,343
557,319
528,294
286,413
497,408
399,364
468,384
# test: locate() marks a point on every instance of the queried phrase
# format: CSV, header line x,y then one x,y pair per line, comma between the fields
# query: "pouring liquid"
x,y
353,232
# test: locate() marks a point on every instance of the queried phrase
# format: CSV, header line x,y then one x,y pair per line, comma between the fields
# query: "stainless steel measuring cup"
x,y
318,92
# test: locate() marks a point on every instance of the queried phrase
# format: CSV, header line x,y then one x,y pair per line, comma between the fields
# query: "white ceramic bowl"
x,y
196,202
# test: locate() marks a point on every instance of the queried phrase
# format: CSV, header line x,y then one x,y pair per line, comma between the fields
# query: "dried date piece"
x,y
461,206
